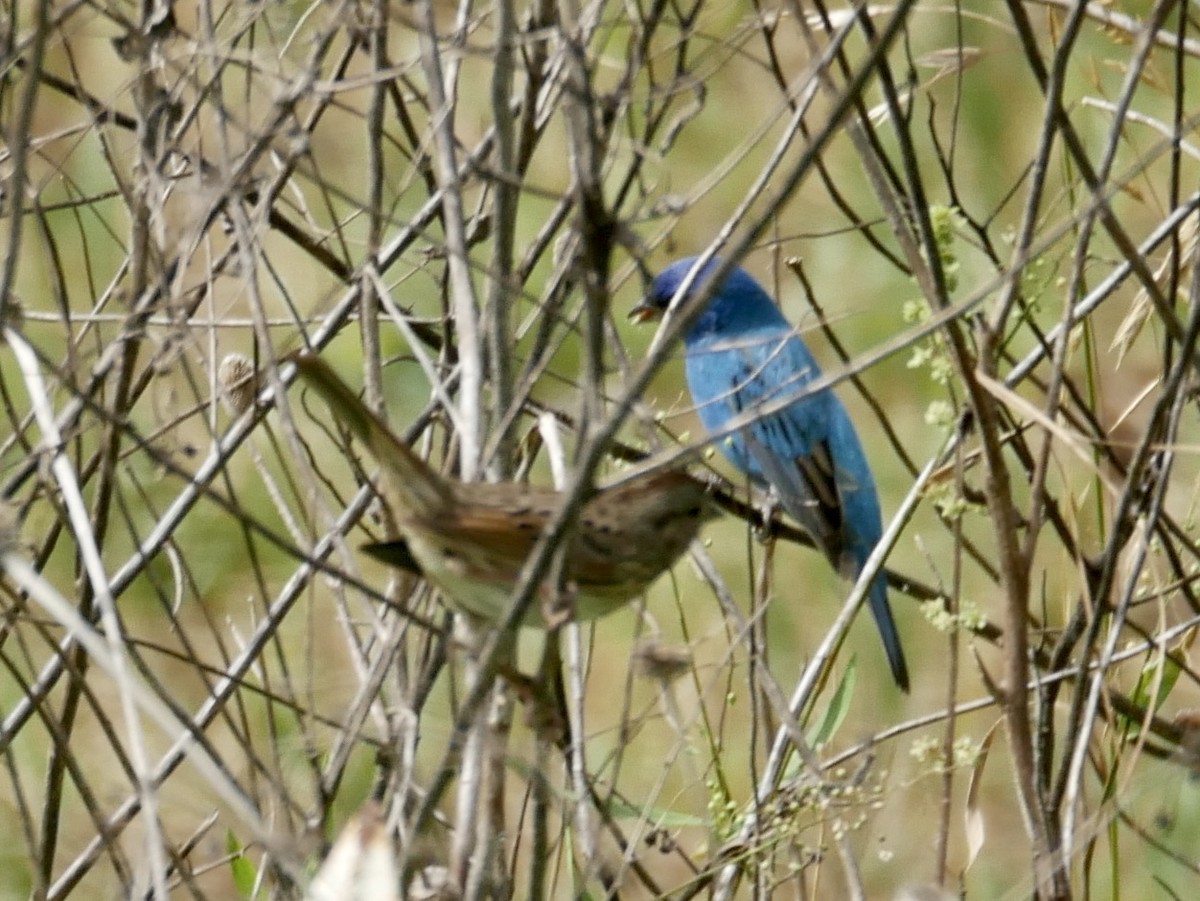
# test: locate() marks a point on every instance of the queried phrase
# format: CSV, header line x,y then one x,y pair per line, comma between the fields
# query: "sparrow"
x,y
471,539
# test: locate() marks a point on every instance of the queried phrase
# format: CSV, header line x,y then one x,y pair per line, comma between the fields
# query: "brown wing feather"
x,y
507,535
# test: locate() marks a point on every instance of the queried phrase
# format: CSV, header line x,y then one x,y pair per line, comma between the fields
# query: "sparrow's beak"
x,y
645,312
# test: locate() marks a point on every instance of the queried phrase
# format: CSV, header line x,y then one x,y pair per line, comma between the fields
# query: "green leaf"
x,y
245,877
663,819
1171,670
839,705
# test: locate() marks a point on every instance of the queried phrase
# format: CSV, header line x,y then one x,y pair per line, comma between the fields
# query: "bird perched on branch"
x,y
472,539
740,356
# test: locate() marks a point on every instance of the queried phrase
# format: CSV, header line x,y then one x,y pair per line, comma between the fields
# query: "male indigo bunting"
x,y
472,539
742,355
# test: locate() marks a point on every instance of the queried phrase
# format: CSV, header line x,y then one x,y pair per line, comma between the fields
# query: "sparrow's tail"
x,y
407,481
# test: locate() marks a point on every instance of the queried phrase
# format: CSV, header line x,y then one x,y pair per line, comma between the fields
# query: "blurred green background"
x,y
148,156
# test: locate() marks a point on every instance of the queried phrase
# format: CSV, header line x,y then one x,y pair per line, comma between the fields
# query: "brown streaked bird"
x,y
472,539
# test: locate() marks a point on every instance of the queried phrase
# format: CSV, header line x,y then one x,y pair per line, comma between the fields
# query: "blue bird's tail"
x,y
861,528
887,631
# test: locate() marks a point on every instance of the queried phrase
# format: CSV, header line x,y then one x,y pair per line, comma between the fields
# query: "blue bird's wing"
x,y
787,448
806,450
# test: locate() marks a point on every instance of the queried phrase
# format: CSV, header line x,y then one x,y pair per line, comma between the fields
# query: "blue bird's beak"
x,y
645,312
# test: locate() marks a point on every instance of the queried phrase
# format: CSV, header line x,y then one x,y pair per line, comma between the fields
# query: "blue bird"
x,y
742,355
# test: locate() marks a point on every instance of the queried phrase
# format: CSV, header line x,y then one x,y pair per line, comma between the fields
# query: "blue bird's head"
x,y
737,305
